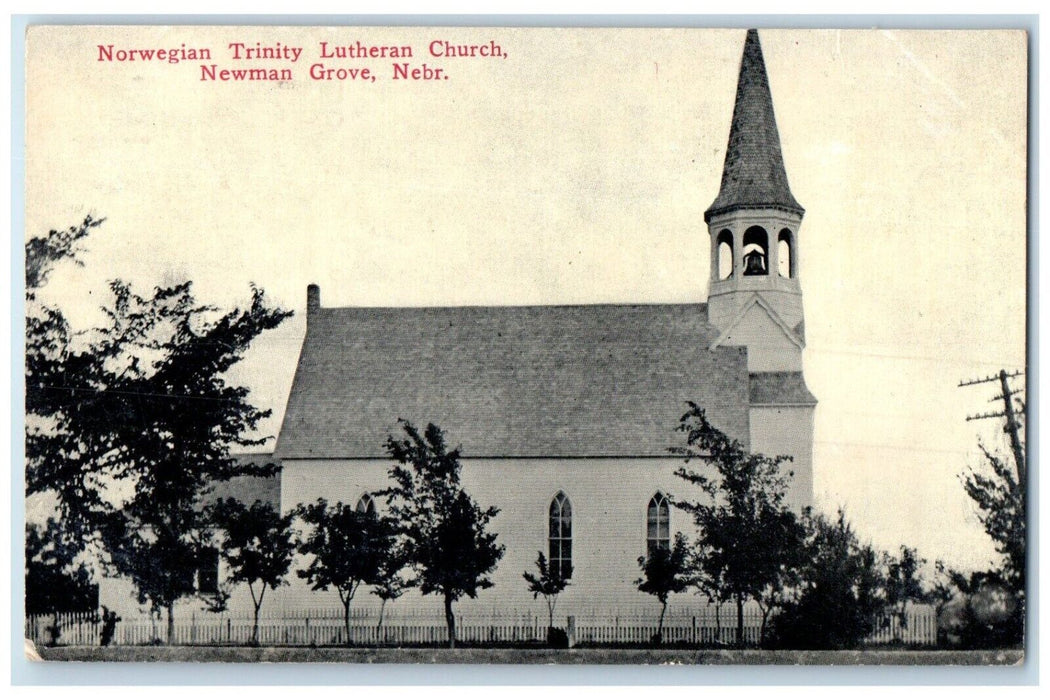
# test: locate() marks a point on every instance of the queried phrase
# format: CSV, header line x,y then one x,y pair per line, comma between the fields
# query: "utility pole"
x,y
1012,427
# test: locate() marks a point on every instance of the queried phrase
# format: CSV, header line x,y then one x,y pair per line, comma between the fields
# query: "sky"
x,y
577,170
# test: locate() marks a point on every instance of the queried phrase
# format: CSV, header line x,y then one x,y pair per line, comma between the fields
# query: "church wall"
x,y
118,594
777,430
609,498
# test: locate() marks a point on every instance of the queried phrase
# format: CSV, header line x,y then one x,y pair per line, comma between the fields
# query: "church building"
x,y
565,413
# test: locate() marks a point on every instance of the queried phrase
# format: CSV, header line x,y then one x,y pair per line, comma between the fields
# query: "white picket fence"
x,y
699,627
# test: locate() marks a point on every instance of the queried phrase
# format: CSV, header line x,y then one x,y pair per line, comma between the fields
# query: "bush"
x,y
557,638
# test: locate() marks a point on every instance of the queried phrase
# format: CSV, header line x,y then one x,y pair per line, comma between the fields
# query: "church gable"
x,y
772,345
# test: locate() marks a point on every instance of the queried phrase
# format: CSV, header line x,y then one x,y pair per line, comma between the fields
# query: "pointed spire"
x,y
753,175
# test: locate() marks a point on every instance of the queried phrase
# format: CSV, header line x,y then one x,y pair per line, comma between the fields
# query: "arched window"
x,y
756,251
561,536
725,254
785,254
366,505
657,523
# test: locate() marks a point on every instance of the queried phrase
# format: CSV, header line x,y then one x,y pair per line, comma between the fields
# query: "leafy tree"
x,y
1000,500
442,528
903,582
389,584
976,610
749,540
349,549
990,605
841,591
550,582
128,423
665,571
257,544
56,370
160,556
56,580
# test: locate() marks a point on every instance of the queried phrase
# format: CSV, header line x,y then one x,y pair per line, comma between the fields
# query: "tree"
x,y
1000,494
976,610
665,571
128,423
349,549
389,584
56,580
549,583
1000,500
257,544
841,591
748,539
56,369
903,582
442,528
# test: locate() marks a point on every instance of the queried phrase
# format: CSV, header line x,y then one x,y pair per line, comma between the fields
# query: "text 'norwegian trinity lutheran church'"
x,y
565,413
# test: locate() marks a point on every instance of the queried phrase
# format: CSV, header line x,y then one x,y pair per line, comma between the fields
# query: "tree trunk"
x,y
256,604
450,620
660,627
740,620
346,620
379,627
171,624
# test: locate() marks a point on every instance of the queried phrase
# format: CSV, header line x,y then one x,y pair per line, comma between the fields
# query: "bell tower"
x,y
754,221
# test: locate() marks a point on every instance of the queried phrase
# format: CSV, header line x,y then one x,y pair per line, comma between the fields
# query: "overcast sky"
x,y
577,170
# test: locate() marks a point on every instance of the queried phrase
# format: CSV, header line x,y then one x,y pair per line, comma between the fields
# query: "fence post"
x,y
571,631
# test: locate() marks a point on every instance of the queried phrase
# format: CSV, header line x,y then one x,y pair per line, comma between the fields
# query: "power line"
x,y
992,378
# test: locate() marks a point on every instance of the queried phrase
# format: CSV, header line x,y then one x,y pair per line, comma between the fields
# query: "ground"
x,y
1010,657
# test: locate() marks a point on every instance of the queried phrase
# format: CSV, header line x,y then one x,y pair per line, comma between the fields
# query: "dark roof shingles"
x,y
780,389
548,381
753,174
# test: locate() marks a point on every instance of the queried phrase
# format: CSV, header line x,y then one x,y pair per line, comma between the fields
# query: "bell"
x,y
754,263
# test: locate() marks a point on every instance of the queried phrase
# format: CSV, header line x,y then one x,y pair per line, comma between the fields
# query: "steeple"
x,y
755,298
753,176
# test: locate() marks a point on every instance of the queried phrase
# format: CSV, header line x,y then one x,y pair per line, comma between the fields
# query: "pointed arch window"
x,y
560,536
657,523
785,254
725,254
366,505
756,251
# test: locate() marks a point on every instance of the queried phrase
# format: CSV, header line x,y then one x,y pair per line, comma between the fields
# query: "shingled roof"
x,y
753,175
780,389
550,381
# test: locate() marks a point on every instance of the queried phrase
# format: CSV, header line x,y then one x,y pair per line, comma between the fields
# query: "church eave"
x,y
713,212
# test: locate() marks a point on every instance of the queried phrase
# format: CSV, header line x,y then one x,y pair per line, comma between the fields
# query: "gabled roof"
x,y
526,381
780,389
753,175
756,299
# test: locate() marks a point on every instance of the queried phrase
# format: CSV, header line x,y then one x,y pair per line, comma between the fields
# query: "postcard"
x,y
521,344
